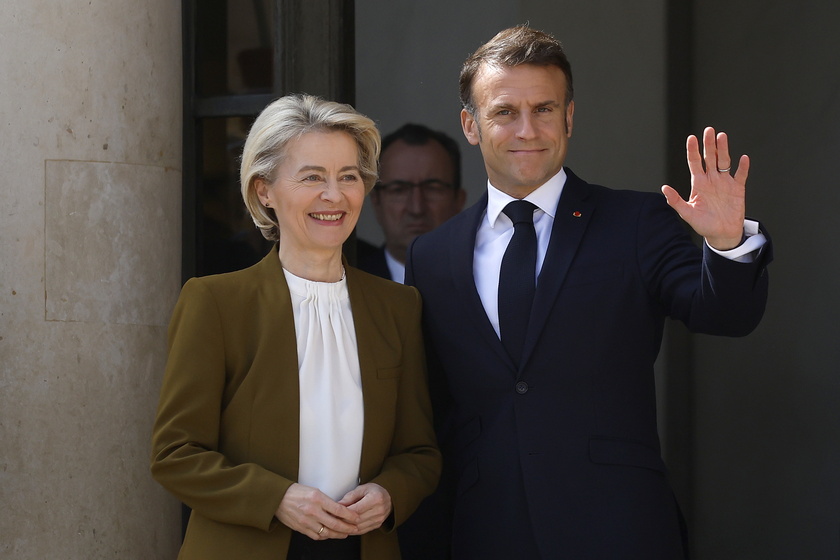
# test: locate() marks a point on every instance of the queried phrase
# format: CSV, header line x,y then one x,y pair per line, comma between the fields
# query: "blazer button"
x,y
521,387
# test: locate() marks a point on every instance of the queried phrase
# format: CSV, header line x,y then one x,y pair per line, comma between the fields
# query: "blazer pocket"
x,y
614,451
388,373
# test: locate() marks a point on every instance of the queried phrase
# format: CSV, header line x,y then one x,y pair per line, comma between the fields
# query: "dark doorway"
x,y
238,57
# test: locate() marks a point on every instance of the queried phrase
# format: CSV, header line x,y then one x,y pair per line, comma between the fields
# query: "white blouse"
x,y
331,405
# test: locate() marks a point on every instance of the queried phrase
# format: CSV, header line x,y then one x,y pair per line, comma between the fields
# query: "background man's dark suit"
x,y
371,259
559,457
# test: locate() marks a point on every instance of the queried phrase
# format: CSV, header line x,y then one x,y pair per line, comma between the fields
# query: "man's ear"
x,y
570,113
470,127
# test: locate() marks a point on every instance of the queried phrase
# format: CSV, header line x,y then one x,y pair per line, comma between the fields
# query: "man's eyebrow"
x,y
505,105
501,105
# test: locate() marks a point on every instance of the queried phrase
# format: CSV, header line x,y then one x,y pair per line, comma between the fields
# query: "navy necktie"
x,y
517,278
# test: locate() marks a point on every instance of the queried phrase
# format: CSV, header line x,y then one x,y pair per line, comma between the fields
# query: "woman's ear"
x,y
261,188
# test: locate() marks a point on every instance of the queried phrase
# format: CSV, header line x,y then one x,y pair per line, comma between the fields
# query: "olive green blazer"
x,y
226,435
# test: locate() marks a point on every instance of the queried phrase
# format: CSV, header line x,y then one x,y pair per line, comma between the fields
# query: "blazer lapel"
x,y
462,255
279,398
574,210
368,340
364,325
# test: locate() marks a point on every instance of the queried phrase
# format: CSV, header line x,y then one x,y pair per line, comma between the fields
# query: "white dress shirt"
x,y
395,267
496,230
331,404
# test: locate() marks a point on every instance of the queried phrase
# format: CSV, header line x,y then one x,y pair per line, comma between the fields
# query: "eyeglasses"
x,y
431,189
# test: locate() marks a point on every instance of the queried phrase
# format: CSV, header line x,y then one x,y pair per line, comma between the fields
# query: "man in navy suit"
x,y
550,442
419,188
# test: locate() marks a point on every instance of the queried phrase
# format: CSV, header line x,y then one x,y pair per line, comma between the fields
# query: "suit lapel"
x,y
574,210
462,255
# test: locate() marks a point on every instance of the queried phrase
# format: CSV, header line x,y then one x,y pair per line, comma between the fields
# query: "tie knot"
x,y
520,211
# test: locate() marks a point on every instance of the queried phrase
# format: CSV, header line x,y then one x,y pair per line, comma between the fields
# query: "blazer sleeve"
x,y
709,293
412,467
186,456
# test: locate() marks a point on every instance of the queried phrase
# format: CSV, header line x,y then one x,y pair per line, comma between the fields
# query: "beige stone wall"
x,y
90,213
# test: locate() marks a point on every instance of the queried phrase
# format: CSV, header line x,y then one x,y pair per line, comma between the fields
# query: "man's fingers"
x,y
724,162
710,152
692,154
743,170
674,199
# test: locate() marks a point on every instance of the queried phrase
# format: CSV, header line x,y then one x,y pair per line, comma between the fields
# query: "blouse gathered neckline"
x,y
331,404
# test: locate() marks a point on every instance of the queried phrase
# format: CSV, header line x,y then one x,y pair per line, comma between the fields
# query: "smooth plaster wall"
x,y
90,206
766,408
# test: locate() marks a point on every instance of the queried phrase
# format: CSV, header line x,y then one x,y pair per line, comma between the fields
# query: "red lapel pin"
x,y
576,214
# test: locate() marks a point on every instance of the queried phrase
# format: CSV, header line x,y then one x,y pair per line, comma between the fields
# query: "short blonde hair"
x,y
286,119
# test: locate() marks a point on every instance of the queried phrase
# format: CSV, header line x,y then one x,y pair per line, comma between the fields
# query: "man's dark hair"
x,y
512,47
419,135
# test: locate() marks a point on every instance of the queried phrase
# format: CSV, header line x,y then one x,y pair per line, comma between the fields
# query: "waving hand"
x,y
715,208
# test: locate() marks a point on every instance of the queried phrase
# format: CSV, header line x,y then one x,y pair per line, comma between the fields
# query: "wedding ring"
x,y
321,530
724,170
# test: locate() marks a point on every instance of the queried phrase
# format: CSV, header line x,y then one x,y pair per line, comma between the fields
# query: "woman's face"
x,y
317,192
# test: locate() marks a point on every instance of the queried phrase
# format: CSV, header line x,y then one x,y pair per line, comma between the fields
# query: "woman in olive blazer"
x,y
226,438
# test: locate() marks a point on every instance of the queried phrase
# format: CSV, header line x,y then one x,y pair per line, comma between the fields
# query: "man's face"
x,y
521,124
405,215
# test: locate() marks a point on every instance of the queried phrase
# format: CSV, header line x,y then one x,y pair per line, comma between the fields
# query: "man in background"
x,y
419,188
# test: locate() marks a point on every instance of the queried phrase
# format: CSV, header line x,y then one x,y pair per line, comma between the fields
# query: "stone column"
x,y
90,244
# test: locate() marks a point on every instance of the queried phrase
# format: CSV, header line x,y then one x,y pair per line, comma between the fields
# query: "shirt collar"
x,y
395,267
544,197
